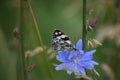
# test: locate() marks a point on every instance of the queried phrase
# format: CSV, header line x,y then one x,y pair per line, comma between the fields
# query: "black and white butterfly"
x,y
61,42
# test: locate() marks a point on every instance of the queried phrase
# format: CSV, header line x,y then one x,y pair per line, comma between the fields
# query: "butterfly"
x,y
61,42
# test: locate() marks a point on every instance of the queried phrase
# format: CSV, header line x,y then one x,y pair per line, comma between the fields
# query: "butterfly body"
x,y
61,42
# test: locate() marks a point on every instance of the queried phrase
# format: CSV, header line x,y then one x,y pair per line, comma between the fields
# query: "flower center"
x,y
76,60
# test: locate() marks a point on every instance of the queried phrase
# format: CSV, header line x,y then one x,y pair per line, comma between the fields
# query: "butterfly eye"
x,y
59,32
56,33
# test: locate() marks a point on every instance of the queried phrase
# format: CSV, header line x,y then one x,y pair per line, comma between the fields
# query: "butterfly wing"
x,y
60,41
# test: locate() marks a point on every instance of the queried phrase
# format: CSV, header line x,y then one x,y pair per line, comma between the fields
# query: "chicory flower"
x,y
76,61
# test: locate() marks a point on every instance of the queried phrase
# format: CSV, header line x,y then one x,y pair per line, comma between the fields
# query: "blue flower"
x,y
76,61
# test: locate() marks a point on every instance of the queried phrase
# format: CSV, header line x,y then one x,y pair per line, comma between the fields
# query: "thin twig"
x,y
36,25
40,38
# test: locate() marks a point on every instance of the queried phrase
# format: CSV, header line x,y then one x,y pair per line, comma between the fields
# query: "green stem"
x,y
21,67
84,32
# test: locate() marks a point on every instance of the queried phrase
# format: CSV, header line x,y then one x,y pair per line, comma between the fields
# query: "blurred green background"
x,y
65,15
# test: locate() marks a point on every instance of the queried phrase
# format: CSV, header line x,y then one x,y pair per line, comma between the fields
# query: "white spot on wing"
x,y
58,37
63,36
68,42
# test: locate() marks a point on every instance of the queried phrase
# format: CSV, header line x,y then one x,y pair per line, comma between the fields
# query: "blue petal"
x,y
62,56
70,65
60,67
81,52
88,64
69,72
92,51
79,45
81,70
73,54
94,63
88,55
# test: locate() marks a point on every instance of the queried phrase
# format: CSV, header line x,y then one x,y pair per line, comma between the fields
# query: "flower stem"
x,y
21,65
40,38
84,32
